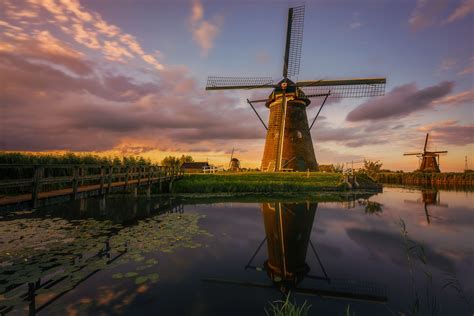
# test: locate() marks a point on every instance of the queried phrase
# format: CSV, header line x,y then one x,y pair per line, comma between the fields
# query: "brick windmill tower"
x,y
429,159
288,144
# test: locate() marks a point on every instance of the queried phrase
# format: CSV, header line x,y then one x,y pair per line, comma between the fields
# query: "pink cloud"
x,y
400,102
457,99
426,13
463,10
204,31
87,28
449,132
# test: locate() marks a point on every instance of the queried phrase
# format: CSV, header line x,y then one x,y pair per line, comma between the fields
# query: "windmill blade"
x,y
345,88
426,142
234,282
345,293
229,83
412,154
349,290
439,152
294,41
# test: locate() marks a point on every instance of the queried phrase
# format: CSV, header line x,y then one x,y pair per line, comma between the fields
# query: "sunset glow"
x,y
121,78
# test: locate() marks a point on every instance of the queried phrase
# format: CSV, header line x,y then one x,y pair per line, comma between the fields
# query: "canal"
x,y
406,250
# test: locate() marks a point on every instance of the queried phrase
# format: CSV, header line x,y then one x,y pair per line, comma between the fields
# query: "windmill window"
x,y
299,135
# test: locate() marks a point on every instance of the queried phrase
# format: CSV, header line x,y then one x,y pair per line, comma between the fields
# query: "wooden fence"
x,y
20,183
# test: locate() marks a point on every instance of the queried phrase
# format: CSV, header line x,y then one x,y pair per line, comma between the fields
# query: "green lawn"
x,y
258,182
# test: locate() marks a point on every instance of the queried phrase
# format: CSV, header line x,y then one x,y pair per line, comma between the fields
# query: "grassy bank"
x,y
261,182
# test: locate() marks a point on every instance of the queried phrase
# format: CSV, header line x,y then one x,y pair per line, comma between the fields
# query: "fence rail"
x,y
23,182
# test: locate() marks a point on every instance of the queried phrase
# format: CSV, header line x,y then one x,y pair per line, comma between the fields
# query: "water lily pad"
x,y
141,279
131,274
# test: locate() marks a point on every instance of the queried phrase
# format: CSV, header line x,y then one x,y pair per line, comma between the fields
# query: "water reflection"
x,y
288,228
428,197
61,254
123,255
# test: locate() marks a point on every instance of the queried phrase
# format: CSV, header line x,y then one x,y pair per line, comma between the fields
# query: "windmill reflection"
x,y
429,197
288,228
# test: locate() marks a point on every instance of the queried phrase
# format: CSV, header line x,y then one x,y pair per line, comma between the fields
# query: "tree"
x,y
175,162
372,167
339,168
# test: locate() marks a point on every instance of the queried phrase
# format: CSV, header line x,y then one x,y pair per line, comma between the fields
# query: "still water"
x,y
403,251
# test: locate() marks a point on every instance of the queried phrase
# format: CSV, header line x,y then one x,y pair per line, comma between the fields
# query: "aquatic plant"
x,y
414,250
66,253
287,308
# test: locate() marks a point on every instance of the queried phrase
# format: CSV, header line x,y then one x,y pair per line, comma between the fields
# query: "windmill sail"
x,y
345,88
294,41
226,83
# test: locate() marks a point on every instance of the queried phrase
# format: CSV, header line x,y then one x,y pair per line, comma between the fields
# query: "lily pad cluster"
x,y
51,256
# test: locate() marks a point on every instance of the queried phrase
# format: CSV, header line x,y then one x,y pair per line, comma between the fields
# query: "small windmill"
x,y
288,143
429,159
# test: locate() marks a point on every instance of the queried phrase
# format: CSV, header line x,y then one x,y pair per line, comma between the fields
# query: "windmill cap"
x,y
290,89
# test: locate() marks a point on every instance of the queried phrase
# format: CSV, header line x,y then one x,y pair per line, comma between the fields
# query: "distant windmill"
x,y
288,143
429,159
231,157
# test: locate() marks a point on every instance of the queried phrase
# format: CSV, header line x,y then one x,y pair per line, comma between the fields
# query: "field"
x,y
260,182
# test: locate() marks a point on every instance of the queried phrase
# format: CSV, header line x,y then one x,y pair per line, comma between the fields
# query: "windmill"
x,y
429,159
231,157
288,144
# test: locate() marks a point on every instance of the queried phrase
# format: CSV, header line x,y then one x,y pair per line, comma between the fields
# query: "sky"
x,y
123,77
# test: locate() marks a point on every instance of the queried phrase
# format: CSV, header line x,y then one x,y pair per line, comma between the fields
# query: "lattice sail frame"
x,y
224,83
294,42
347,91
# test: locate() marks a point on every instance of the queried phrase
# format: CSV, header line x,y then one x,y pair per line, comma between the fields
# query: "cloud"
x,y
387,244
42,45
469,69
353,136
463,10
86,27
450,133
448,64
400,102
204,31
457,99
426,13
355,24
63,107
429,12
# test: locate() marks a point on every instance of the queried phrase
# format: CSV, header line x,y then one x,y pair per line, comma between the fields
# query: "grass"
x,y
258,182
287,308
261,182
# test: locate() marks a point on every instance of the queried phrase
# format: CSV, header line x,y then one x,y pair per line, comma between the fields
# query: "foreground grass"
x,y
287,308
259,182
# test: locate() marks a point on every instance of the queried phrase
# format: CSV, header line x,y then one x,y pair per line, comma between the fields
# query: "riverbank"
x,y
259,182
424,178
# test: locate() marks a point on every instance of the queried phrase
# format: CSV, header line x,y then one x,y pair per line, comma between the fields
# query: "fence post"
x,y
102,179
109,185
38,174
160,179
75,182
126,178
139,175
